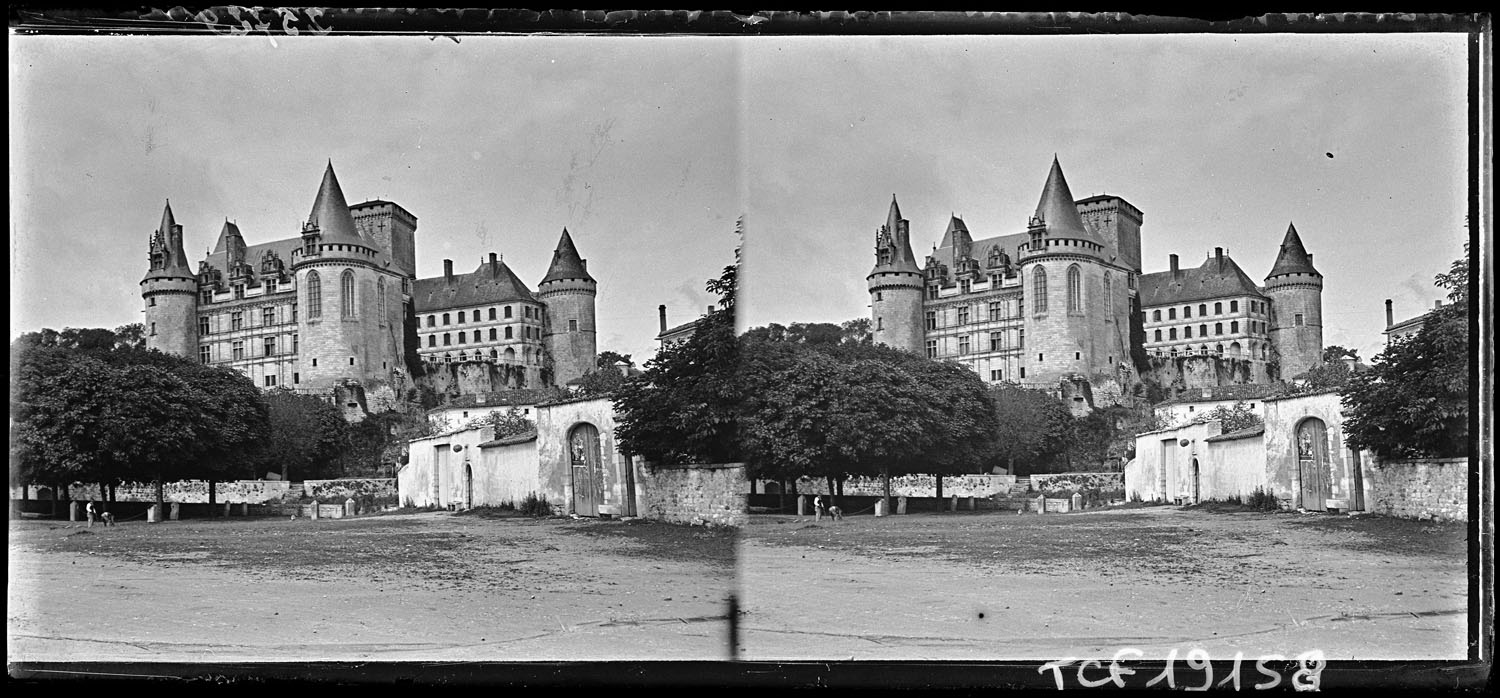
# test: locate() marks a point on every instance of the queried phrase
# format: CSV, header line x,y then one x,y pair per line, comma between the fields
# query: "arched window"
x,y
1187,332
492,334
380,298
1156,316
1172,333
462,337
1075,289
314,295
507,312
431,320
1218,308
1234,326
447,339
445,318
1234,348
432,340
346,294
1109,294
1158,336
1039,289
460,317
1187,311
492,313
1202,308
494,354
1219,349
508,333
510,355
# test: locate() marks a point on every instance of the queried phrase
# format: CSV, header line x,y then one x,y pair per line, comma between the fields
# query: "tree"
x,y
683,407
1414,400
608,359
857,331
309,433
508,423
601,382
1032,428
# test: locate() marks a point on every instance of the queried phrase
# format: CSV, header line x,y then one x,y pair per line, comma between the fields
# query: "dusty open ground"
x,y
415,587
985,586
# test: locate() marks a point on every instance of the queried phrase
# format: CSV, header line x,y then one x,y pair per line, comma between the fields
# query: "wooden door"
x,y
588,480
1312,464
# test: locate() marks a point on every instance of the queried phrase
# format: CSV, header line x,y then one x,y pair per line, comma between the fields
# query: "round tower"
x,y
350,319
1296,292
1074,299
170,290
896,287
568,292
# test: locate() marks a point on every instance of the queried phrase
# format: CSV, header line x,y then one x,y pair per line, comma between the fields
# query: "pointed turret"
x,y
1293,258
566,264
893,218
893,244
330,213
1058,210
166,253
895,285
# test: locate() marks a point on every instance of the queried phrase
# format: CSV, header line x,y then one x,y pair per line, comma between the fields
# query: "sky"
x,y
1221,140
495,144
649,148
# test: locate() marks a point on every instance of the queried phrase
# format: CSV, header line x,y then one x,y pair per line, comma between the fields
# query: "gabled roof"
x,y
219,259
1060,212
330,213
1293,258
492,282
566,264
1211,280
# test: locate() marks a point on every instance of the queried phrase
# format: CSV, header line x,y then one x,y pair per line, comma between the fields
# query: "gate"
x,y
1312,464
587,471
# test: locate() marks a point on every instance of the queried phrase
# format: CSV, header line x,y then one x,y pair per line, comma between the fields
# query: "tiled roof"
x,y
492,282
330,213
1245,433
1211,280
508,440
283,249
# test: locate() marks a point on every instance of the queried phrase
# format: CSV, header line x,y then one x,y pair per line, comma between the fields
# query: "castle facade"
x,y
338,309
1064,305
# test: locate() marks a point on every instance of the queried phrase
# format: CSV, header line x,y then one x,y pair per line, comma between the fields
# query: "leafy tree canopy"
x,y
607,359
1032,428
1414,400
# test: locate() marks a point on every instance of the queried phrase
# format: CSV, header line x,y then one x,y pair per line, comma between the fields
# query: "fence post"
x,y
1041,504
880,507
953,503
900,505
315,510
75,510
971,504
153,514
1077,501
175,512
349,507
802,505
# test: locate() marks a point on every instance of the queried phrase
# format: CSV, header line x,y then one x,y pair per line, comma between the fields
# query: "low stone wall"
x,y
379,489
1418,489
188,491
695,494
983,486
1065,484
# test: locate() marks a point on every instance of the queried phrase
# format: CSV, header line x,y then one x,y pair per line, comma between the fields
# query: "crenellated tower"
x,y
349,293
895,286
568,292
170,290
1296,291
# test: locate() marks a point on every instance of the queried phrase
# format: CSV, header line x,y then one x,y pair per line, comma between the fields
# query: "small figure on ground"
x,y
90,511
108,518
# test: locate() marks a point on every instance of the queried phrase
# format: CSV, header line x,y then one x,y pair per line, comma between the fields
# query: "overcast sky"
x,y
1221,140
648,149
495,144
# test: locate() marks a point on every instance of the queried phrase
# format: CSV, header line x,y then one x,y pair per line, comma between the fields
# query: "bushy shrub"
x,y
534,506
1262,499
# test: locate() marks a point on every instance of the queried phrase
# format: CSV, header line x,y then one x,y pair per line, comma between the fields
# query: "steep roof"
x,y
1060,212
219,259
230,238
566,264
169,236
1245,433
492,282
330,213
902,259
956,233
1293,258
1216,278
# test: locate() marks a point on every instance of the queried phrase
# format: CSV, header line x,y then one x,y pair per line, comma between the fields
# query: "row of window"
x,y
207,294
998,342
237,320
508,356
1008,309
527,332
237,349
1255,326
348,302
529,312
1234,350
1187,310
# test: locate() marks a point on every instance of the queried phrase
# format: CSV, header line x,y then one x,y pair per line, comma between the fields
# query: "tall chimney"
x,y
1219,257
448,269
661,312
1174,263
1389,318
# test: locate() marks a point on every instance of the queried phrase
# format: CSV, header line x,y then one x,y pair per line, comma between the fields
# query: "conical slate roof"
x,y
168,237
1058,210
330,212
1293,258
902,260
566,264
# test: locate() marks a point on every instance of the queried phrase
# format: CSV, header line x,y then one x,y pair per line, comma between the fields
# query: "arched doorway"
x,y
1312,464
468,486
587,471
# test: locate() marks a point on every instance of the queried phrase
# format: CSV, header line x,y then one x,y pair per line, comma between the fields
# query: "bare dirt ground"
x,y
406,587
989,586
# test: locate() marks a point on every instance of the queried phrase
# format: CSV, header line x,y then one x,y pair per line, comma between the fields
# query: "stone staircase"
x,y
1019,498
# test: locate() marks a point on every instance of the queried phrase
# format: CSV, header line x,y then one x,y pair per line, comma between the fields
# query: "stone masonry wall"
x,y
915,486
188,491
1065,484
339,490
711,495
1418,489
